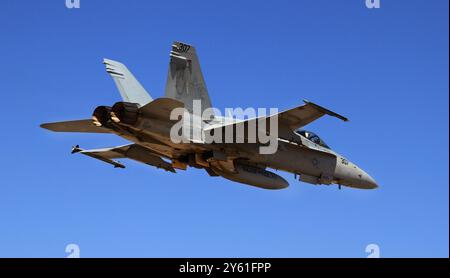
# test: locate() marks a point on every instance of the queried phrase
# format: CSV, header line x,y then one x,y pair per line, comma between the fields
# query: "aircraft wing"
x,y
75,126
131,151
288,120
105,155
303,115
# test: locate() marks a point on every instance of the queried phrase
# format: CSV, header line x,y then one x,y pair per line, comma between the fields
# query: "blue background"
x,y
386,69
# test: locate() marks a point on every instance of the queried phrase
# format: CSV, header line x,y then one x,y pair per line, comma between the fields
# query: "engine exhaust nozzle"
x,y
101,115
125,112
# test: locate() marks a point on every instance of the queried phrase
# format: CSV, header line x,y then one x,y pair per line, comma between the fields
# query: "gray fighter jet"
x,y
148,123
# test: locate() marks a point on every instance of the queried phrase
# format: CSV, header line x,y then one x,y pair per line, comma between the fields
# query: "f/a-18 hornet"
x,y
149,124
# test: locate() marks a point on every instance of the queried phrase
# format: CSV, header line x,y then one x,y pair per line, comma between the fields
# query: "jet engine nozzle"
x,y
101,115
125,112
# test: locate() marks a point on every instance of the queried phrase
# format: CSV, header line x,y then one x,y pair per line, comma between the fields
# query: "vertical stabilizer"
x,y
130,89
185,79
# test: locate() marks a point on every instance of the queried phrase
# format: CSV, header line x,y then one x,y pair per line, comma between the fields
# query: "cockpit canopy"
x,y
311,136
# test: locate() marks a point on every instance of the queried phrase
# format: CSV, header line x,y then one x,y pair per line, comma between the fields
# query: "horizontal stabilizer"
x,y
75,126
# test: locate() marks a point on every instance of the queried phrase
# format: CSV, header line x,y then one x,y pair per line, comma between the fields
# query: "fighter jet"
x,y
147,123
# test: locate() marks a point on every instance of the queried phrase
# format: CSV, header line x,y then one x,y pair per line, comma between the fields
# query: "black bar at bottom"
x,y
215,267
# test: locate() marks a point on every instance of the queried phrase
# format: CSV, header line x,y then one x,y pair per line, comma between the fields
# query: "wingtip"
x,y
76,149
119,166
45,126
326,111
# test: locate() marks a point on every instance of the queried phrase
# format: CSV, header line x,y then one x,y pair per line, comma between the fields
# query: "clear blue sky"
x,y
386,69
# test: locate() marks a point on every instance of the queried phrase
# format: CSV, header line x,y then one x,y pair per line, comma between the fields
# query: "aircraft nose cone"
x,y
368,182
353,176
